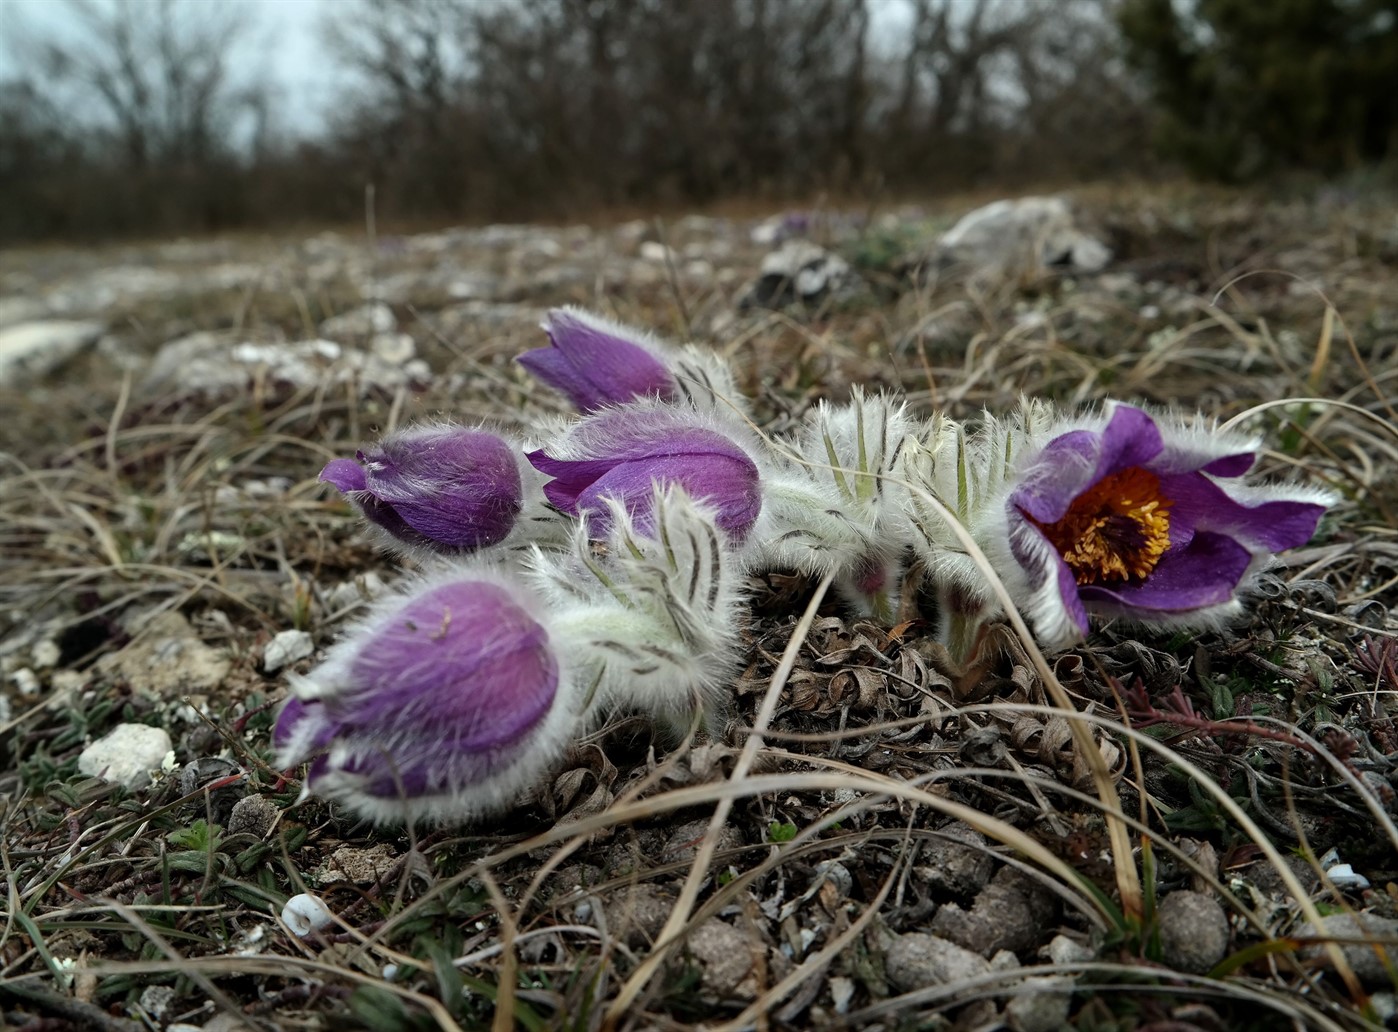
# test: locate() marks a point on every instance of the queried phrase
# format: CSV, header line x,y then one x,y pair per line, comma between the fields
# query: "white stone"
x,y
654,251
286,647
47,654
396,348
364,321
34,349
26,681
306,913
126,755
1025,235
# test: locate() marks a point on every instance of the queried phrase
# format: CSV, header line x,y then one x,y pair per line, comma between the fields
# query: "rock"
x,y
918,960
253,815
213,364
1193,931
725,957
1009,914
683,844
21,309
207,770
156,999
959,864
286,647
394,348
26,682
360,866
1063,950
358,323
1028,235
31,350
800,272
637,913
353,593
655,251
166,660
126,755
1367,960
1040,1004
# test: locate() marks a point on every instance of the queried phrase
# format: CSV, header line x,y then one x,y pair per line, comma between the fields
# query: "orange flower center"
x,y
1115,530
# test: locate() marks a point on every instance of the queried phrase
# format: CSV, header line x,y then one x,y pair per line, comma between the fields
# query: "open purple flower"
x,y
621,453
444,705
1142,519
596,362
442,488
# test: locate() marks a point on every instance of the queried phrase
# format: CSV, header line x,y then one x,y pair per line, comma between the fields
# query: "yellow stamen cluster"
x,y
1114,531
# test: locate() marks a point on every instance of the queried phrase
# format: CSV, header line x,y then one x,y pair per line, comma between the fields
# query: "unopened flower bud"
x,y
446,489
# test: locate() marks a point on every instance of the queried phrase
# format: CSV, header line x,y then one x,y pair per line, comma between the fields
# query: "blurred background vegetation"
x,y
135,121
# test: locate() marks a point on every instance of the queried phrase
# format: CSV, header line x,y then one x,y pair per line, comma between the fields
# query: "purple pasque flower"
x,y
597,362
443,704
443,488
1142,518
620,453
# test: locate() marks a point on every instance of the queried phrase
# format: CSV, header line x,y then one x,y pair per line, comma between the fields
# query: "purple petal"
x,y
706,464
446,488
1201,504
1205,573
464,662
344,474
302,723
1023,547
1075,461
594,366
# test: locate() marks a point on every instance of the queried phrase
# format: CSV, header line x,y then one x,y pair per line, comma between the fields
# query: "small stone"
x,y
804,273
684,842
47,654
1009,914
364,321
654,251
360,866
960,863
286,647
1370,962
351,593
156,999
841,993
253,815
917,960
636,914
1193,931
725,957
26,682
208,770
1063,950
167,660
1040,1004
126,755
34,349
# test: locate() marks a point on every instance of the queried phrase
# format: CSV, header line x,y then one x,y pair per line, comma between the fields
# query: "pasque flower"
x,y
618,454
441,488
1124,513
443,704
596,362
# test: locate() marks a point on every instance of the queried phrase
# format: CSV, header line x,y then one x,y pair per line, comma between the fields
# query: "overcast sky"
x,y
284,45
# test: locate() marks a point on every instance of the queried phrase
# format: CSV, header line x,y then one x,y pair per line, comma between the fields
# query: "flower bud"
x,y
443,704
446,489
621,453
596,362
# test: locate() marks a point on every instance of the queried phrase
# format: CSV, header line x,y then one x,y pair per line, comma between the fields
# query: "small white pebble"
x,y
47,654
127,755
286,647
390,972
305,914
1343,877
26,681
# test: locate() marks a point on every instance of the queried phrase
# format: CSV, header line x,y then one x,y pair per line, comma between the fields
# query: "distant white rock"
x,y
800,271
364,321
126,755
1030,234
286,647
212,363
31,350
21,309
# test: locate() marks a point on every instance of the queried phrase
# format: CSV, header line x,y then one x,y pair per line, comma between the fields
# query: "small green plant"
x,y
778,832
